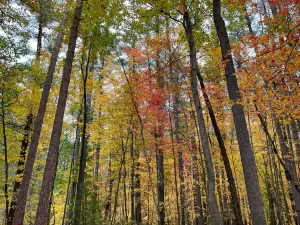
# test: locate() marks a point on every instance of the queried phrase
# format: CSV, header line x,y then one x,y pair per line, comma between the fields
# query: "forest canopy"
x,y
149,112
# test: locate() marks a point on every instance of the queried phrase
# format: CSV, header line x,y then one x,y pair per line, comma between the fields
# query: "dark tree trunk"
x,y
20,167
18,215
69,197
234,196
247,155
160,180
137,191
290,165
74,175
159,134
5,161
132,177
84,140
271,199
107,214
42,211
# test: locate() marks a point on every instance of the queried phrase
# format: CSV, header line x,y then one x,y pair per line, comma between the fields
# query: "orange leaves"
x,y
136,55
270,64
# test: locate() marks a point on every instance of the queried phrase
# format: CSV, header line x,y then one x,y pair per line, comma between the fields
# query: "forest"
x,y
141,112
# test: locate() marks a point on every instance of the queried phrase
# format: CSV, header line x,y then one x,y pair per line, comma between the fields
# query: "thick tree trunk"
x,y
18,215
42,211
247,155
159,134
160,181
212,202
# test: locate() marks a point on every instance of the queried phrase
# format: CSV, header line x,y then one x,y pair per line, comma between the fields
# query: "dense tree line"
x,y
150,112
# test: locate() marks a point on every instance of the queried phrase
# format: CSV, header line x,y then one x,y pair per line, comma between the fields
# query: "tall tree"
x,y
86,68
247,155
212,202
19,197
42,211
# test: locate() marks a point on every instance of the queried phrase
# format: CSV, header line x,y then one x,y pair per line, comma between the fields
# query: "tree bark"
x,y
231,182
18,215
69,197
180,159
137,189
212,202
295,135
20,167
247,155
199,220
74,172
84,139
42,211
5,161
107,214
286,154
132,177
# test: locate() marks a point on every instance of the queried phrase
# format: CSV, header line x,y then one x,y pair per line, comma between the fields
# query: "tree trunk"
x,y
137,191
247,155
5,161
212,202
160,181
132,177
74,172
180,159
231,182
84,140
42,211
20,167
286,154
199,220
295,135
107,214
159,134
69,197
18,215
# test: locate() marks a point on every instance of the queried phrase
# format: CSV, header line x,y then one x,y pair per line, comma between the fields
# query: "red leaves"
x,y
276,3
273,3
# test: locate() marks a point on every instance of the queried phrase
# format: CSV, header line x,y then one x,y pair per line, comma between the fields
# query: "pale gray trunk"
x,y
214,218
